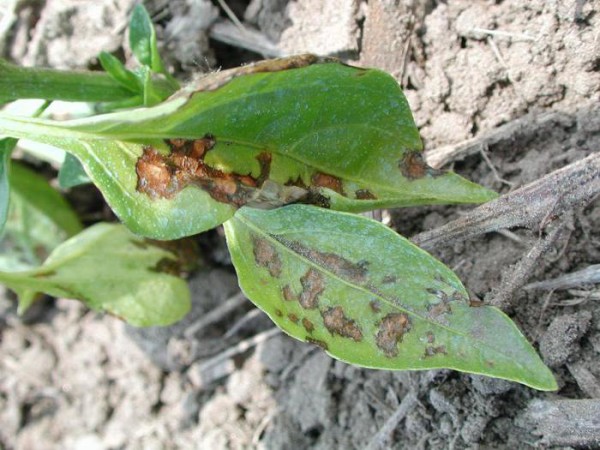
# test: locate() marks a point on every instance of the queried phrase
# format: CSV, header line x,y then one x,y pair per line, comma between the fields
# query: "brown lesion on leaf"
x,y
413,166
476,303
389,279
288,295
375,306
340,266
163,176
265,255
308,325
435,310
433,350
313,284
320,179
365,194
336,322
317,342
216,80
391,332
278,313
293,318
430,337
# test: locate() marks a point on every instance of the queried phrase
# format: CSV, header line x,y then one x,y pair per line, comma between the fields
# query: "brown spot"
x,y
413,166
475,303
308,325
320,179
298,182
293,317
391,331
342,267
317,199
317,342
288,295
163,176
167,265
435,350
46,274
437,309
375,306
365,194
430,337
155,177
313,285
337,323
278,313
489,363
389,279
266,256
438,293
218,79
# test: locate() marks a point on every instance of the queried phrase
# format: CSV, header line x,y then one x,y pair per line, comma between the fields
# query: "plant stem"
x,y
50,84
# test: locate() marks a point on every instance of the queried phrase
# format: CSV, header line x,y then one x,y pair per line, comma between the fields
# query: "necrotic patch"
x,y
313,284
266,256
308,325
317,342
163,176
364,194
340,266
391,331
414,167
336,322
320,179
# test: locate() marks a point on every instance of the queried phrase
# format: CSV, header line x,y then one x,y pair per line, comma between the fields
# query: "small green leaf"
x,y
6,147
43,198
142,36
370,297
109,269
117,70
39,219
72,173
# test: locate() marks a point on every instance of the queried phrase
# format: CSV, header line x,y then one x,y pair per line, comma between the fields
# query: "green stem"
x,y
27,82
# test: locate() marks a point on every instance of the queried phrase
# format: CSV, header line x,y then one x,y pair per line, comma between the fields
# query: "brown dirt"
x,y
72,379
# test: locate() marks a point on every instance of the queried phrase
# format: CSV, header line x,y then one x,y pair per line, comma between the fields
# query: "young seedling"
x,y
283,153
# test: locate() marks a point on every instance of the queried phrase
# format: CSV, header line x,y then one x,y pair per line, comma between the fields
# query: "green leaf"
x,y
119,73
72,173
43,198
38,220
142,38
6,147
112,270
332,135
370,297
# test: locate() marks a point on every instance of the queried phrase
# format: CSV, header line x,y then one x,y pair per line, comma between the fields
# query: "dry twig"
x,y
381,440
508,132
549,197
589,275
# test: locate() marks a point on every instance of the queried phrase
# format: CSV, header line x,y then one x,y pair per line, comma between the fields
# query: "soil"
x,y
73,379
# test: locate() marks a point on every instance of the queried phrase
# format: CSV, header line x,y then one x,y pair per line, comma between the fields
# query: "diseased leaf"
x,y
371,298
109,269
334,135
